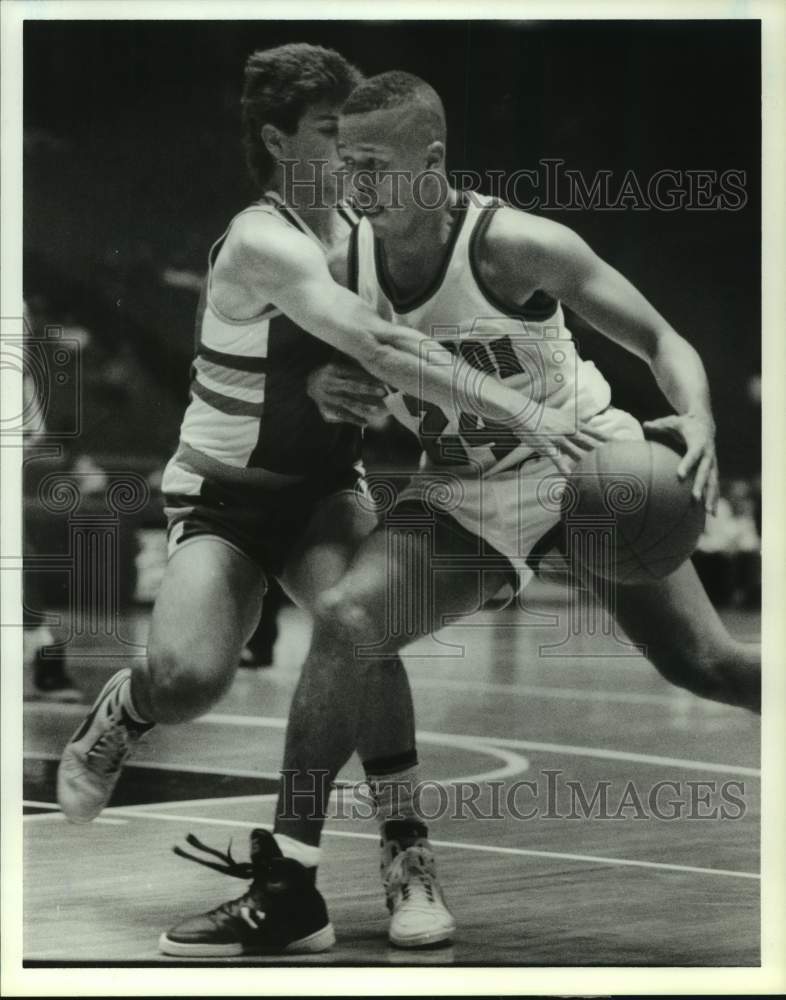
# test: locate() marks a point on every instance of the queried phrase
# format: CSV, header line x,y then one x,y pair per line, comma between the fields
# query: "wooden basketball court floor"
x,y
662,875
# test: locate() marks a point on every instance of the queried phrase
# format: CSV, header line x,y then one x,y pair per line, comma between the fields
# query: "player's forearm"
x,y
397,355
680,373
416,364
612,305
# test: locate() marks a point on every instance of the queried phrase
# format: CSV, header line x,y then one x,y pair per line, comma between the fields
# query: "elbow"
x,y
662,343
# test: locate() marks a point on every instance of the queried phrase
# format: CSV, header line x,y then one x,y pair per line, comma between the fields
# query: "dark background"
x,y
133,165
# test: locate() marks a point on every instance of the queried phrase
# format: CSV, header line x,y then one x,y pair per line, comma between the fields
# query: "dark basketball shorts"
x,y
263,525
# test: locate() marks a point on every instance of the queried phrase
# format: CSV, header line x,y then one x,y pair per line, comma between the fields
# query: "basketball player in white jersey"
x,y
261,485
488,280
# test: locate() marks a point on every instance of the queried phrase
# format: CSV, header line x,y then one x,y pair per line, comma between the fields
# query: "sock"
x,y
306,854
393,782
406,832
127,702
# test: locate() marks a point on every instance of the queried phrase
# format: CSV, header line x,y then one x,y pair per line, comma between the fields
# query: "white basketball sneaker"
x,y
419,914
94,756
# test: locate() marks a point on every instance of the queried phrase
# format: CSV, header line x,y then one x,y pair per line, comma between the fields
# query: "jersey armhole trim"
x,y
348,214
268,312
539,307
352,261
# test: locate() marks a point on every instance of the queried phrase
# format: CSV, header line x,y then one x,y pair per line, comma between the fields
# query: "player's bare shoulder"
x,y
520,251
259,254
260,240
514,232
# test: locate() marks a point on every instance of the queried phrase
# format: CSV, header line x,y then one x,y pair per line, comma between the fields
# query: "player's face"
x,y
312,148
385,161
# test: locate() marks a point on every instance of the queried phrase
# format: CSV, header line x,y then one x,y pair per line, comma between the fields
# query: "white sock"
x,y
127,701
394,794
306,854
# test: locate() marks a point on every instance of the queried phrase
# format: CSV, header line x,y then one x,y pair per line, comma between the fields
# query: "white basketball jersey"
x,y
528,347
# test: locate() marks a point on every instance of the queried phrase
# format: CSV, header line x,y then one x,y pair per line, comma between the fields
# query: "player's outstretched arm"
x,y
296,279
561,263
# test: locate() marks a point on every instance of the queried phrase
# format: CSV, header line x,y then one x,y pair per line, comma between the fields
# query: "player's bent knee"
x,y
343,614
179,686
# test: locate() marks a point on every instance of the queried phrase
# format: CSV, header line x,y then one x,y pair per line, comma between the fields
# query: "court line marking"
x,y
513,763
57,813
54,812
551,693
40,805
272,722
640,758
457,845
676,696
498,742
155,765
340,785
220,800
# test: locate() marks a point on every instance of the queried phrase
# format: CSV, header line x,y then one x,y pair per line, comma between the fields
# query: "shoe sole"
x,y
444,936
320,940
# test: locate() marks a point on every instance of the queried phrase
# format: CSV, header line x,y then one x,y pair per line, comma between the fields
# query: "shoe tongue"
x,y
407,832
263,847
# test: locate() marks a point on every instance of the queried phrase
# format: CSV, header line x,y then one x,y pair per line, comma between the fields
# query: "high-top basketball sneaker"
x,y
282,911
419,915
94,756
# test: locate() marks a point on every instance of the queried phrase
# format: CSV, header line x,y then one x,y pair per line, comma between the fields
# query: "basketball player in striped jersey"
x,y
259,486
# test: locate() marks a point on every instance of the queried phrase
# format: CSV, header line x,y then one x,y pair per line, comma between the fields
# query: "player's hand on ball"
x,y
345,393
560,438
697,433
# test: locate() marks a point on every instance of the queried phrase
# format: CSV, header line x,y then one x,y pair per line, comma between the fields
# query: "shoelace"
x,y
237,869
410,869
108,753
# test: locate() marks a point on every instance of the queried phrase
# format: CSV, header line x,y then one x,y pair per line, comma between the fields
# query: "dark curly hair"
x,y
280,84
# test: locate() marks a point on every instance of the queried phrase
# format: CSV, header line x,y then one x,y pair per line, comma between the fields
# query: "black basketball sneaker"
x,y
282,911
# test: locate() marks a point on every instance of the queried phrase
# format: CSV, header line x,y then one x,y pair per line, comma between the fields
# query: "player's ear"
x,y
273,141
435,155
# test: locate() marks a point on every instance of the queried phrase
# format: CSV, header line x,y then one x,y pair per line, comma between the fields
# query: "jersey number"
x,y
497,357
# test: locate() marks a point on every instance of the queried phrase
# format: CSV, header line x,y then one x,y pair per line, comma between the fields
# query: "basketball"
x,y
628,517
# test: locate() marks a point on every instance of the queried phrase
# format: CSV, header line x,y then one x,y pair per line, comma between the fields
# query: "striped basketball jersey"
x,y
249,420
528,347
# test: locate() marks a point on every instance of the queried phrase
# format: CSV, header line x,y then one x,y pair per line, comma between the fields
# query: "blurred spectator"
x,y
43,662
259,650
728,558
